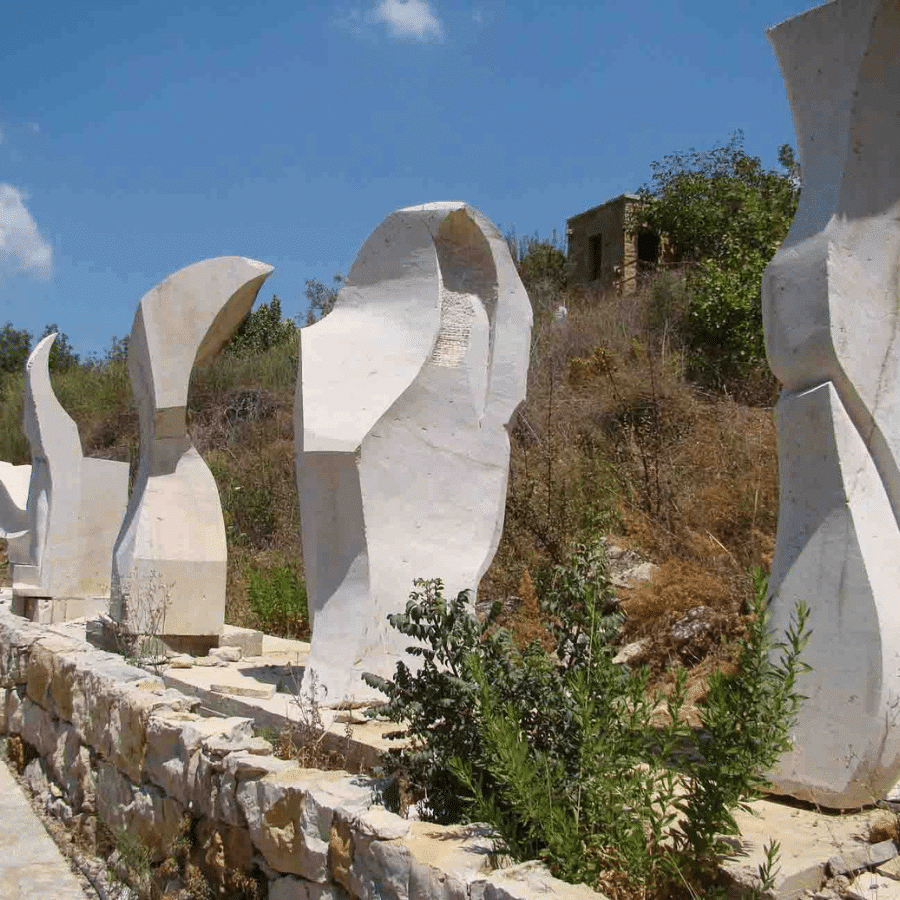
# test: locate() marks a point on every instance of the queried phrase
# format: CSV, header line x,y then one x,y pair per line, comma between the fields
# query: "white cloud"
x,y
2,135
413,19
476,16
34,127
21,246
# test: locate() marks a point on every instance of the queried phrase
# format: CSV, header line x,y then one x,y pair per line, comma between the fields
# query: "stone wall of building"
x,y
115,743
599,249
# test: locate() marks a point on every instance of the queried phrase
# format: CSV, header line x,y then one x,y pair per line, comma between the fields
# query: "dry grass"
x,y
614,440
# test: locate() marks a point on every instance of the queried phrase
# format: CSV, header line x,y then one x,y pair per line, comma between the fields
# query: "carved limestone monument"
x,y
169,561
404,397
61,560
831,308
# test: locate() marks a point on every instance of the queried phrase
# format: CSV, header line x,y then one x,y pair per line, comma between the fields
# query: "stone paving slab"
x,y
31,866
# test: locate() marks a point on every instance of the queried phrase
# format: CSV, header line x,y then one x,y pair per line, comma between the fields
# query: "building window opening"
x,y
648,245
595,257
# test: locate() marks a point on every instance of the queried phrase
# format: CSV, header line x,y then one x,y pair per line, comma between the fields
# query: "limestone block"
x,y
62,753
74,508
428,860
37,727
107,701
14,712
222,852
169,561
248,640
14,481
175,738
830,311
530,880
16,639
290,814
217,780
68,761
405,395
144,812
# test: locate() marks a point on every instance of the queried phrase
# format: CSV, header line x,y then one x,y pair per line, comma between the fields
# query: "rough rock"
x,y
289,816
862,858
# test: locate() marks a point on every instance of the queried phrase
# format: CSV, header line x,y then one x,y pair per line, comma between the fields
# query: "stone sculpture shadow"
x,y
14,482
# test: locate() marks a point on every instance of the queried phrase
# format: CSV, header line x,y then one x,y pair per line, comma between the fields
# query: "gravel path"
x,y
31,866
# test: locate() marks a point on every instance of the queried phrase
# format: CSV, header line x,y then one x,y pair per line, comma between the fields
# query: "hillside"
x,y
613,441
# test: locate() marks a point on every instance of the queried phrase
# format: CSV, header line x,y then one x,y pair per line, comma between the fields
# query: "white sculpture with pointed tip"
x,y
61,562
404,397
831,308
14,481
171,550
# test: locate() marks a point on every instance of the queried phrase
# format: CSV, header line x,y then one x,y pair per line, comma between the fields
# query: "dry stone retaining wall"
x,y
118,744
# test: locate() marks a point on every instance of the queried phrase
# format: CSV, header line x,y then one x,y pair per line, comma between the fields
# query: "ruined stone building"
x,y
602,252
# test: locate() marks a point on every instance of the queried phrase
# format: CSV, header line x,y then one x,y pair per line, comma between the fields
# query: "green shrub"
x,y
723,215
277,597
568,756
262,329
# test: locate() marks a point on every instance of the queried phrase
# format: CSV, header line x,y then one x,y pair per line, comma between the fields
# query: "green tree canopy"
x,y
62,353
15,345
724,214
541,262
321,298
262,329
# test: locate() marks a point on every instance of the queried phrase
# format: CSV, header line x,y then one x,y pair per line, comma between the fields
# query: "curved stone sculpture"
x,y
14,481
831,301
61,561
404,397
169,563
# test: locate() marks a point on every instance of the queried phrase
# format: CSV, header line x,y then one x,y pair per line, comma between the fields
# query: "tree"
x,y
539,261
62,353
321,298
262,329
723,215
15,345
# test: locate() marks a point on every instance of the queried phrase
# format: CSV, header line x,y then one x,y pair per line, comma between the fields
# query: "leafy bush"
x,y
449,633
262,329
568,756
321,298
723,215
277,597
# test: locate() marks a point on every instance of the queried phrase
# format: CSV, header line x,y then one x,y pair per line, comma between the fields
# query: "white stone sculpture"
x,y
404,397
169,562
831,301
14,481
61,561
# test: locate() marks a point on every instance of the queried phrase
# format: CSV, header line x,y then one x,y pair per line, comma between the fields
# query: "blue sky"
x,y
137,138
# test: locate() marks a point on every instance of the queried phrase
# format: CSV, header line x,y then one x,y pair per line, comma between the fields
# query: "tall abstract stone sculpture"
x,y
404,397
831,302
61,561
14,481
169,563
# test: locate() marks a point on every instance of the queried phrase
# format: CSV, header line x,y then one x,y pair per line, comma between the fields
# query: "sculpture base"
x,y
42,610
107,635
